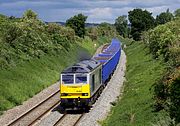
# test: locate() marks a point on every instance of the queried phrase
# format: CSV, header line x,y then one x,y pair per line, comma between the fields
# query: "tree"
x,y
78,24
29,14
92,32
164,17
121,25
106,29
140,21
177,13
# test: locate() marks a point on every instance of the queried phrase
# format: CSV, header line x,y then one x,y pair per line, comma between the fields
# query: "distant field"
x,y
19,83
136,104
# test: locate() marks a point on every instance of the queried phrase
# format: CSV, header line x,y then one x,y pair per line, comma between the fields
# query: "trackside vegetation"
x,y
135,106
32,54
151,91
164,43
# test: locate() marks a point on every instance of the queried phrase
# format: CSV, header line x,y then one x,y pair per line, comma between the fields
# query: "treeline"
x,y
140,21
28,37
78,24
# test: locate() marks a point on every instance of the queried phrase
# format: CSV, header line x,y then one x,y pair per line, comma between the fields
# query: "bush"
x,y
174,95
164,41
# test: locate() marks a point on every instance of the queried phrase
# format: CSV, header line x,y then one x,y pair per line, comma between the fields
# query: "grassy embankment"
x,y
135,105
21,82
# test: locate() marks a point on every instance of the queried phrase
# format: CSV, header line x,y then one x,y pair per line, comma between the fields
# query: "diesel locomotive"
x,y
82,83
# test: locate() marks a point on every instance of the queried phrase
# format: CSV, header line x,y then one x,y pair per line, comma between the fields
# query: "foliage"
x,y
165,121
2,17
164,17
121,25
141,20
28,37
53,28
78,24
177,13
163,42
167,92
92,32
134,107
29,14
103,30
174,94
106,29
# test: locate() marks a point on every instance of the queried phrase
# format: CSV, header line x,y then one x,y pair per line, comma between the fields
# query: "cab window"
x,y
67,79
81,78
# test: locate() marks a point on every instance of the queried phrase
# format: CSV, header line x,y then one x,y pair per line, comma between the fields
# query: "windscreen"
x,y
81,78
68,79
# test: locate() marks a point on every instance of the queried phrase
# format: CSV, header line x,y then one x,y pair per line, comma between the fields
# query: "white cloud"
x,y
156,10
100,13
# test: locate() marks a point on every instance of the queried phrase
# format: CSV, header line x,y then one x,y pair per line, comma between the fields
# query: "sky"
x,y
97,10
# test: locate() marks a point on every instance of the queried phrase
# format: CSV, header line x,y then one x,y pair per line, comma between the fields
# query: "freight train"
x,y
82,83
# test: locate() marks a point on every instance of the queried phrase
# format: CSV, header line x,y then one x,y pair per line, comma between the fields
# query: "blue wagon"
x,y
109,58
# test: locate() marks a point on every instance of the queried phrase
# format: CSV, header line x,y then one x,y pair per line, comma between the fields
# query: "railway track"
x,y
69,120
34,114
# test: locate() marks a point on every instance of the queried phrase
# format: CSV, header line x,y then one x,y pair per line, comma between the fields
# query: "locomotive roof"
x,y
82,67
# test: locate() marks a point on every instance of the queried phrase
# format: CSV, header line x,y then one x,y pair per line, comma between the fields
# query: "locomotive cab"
x,y
74,85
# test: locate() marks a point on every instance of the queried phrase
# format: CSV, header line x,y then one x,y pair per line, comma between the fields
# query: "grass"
x,y
19,83
136,104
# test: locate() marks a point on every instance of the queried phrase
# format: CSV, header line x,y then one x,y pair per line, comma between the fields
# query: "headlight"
x,y
64,94
84,94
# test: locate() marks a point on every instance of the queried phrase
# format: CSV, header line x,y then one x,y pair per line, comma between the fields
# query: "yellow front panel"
x,y
75,90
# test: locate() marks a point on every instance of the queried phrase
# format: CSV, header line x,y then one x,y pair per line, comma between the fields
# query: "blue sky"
x,y
96,10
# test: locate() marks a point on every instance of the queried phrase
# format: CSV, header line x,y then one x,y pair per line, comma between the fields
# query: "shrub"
x,y
164,41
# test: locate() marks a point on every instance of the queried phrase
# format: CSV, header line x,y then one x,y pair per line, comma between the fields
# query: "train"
x,y
82,83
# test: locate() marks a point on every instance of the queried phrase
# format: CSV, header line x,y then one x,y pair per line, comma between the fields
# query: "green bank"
x,y
135,106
